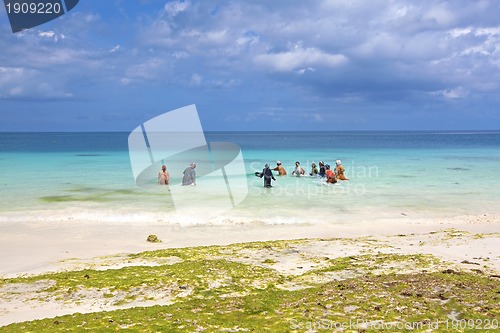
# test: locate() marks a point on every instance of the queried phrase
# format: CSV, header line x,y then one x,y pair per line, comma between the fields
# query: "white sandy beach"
x,y
49,246
38,248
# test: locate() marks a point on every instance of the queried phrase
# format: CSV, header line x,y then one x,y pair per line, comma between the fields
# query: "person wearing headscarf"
x,y
330,175
322,170
280,169
299,171
268,175
163,176
340,170
189,177
314,170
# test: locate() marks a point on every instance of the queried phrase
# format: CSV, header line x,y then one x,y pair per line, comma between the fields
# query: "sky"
x,y
256,65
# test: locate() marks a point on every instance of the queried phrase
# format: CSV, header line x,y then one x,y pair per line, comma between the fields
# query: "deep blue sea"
x,y
393,175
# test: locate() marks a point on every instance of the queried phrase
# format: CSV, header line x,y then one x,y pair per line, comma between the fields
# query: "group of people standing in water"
x,y
331,176
188,178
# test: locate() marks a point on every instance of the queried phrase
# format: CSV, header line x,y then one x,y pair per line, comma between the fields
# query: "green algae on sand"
x,y
234,288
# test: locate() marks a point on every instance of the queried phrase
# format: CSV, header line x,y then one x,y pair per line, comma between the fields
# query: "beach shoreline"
x,y
468,243
34,248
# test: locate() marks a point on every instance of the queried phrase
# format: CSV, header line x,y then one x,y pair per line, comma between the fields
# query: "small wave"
x,y
72,198
90,155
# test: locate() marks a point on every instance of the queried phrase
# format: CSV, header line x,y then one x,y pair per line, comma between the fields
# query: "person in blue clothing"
x,y
189,177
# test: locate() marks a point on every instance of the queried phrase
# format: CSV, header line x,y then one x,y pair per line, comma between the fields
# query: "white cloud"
x,y
89,18
313,117
452,94
48,34
9,73
51,35
16,91
349,51
65,56
148,70
196,36
125,81
460,32
218,36
13,81
180,55
441,15
196,79
115,49
406,44
23,83
490,31
50,92
247,40
304,70
300,58
173,8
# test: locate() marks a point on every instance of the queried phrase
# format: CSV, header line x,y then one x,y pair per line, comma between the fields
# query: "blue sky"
x,y
256,65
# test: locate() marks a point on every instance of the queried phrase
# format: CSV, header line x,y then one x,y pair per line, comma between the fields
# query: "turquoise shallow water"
x,y
87,176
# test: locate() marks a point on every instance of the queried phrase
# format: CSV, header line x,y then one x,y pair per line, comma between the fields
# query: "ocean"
x,y
393,175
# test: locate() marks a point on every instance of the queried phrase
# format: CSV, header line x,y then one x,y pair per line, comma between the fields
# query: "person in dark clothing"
x,y
189,177
322,170
268,175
